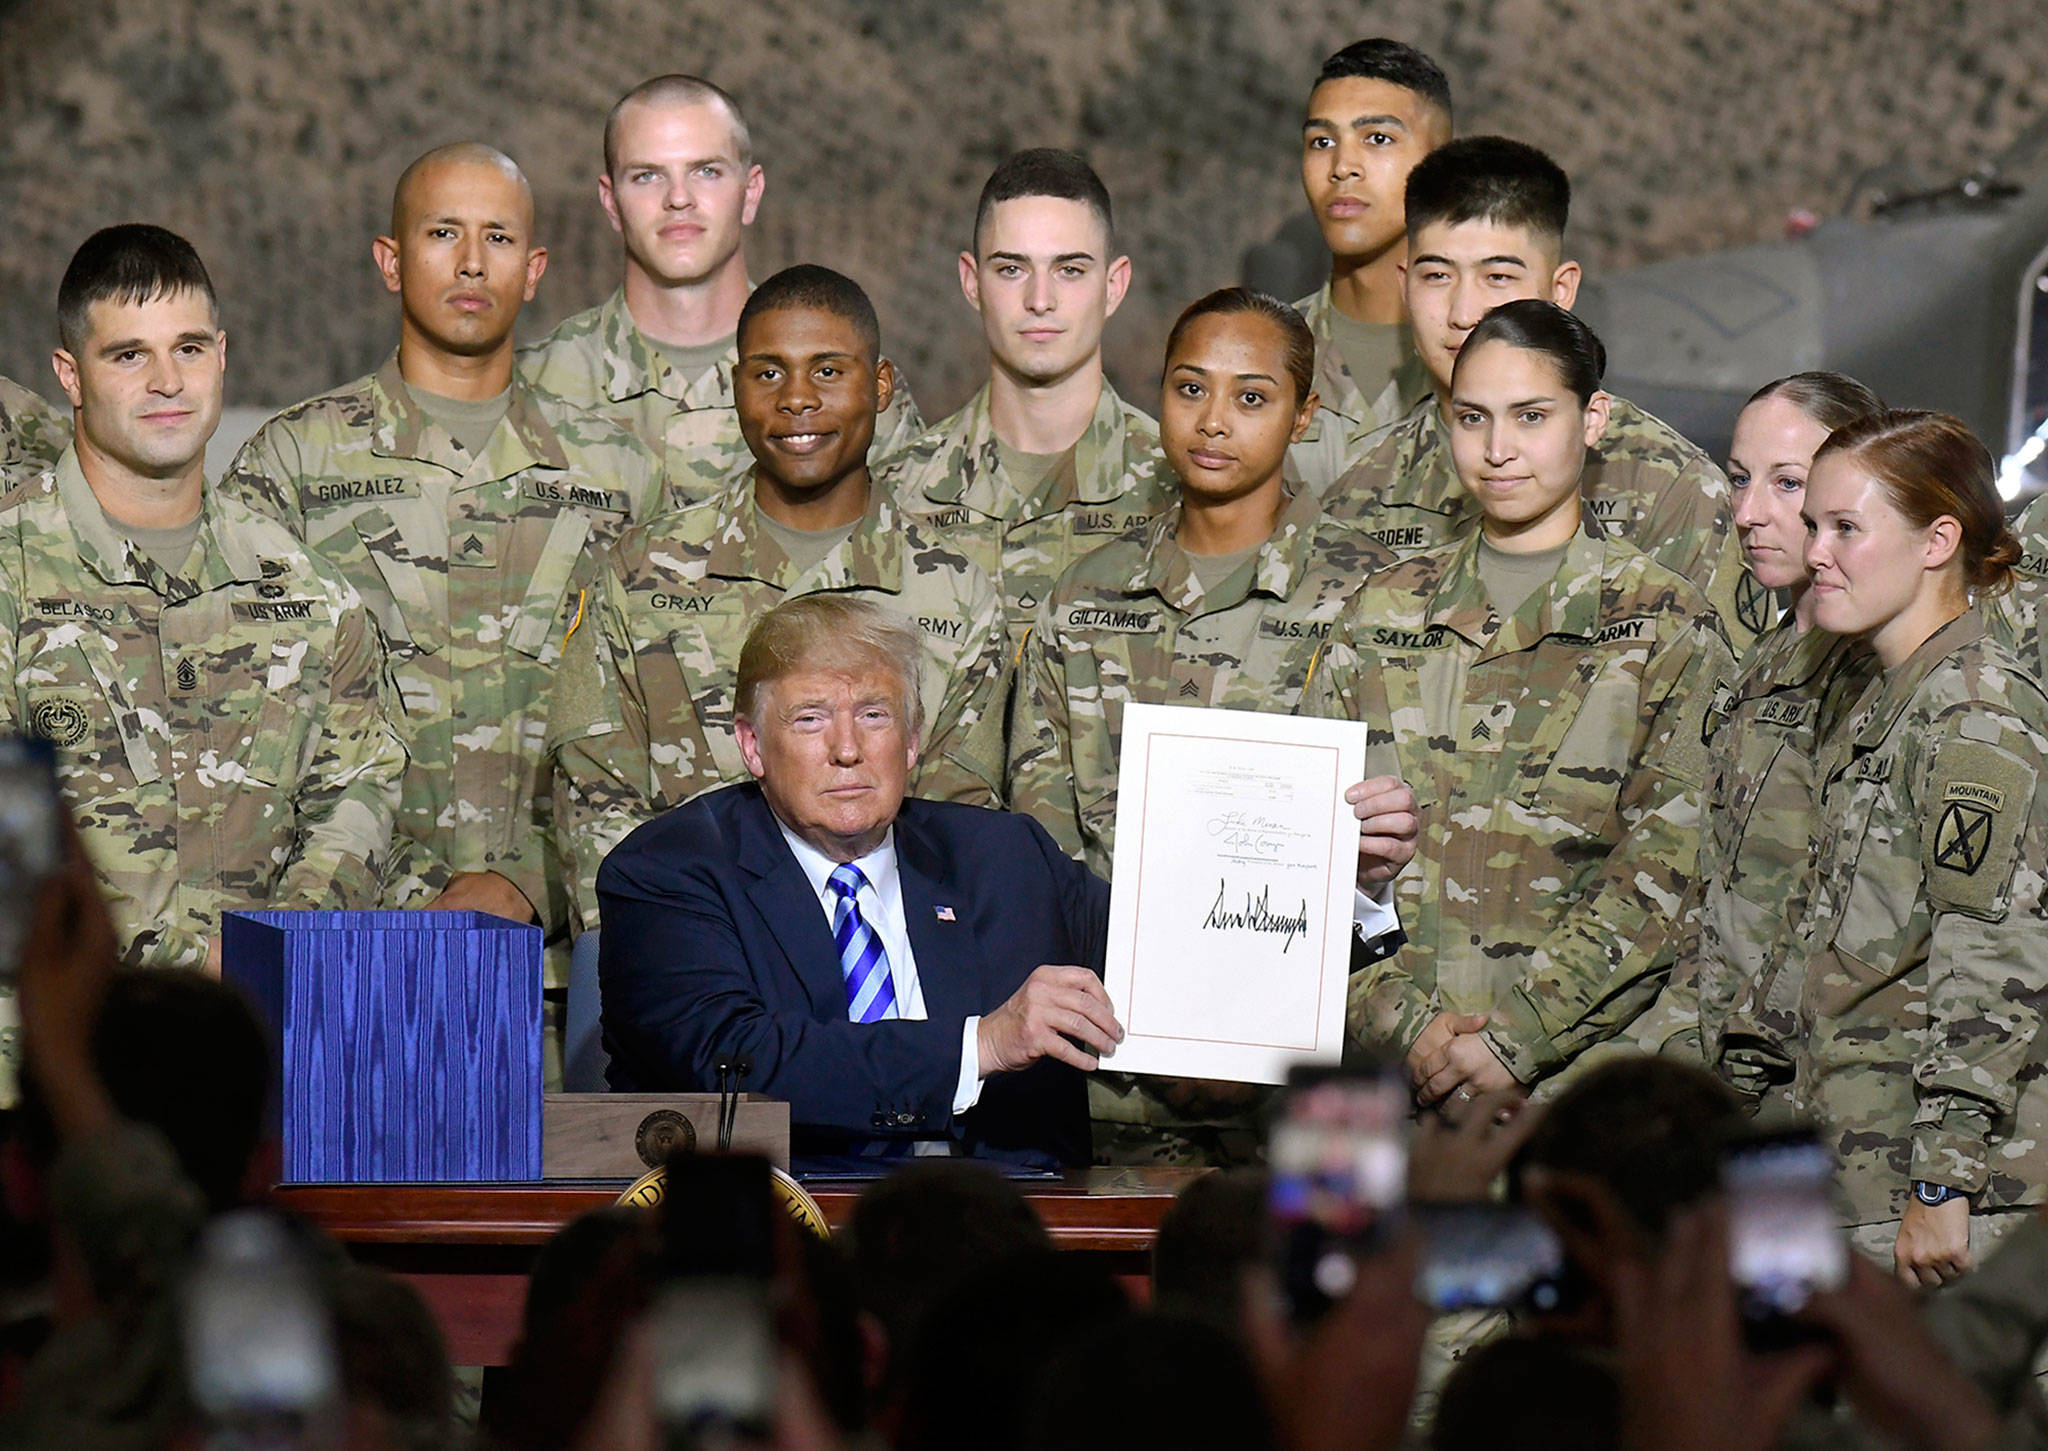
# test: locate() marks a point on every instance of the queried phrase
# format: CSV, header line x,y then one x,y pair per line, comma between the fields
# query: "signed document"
x,y
1232,891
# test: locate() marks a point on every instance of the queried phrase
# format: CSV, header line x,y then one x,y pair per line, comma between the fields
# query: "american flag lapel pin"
x,y
944,914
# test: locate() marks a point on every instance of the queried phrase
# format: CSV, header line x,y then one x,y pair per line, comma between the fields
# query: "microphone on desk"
x,y
730,1068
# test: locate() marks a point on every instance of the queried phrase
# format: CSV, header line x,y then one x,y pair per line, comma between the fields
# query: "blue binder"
x,y
408,1043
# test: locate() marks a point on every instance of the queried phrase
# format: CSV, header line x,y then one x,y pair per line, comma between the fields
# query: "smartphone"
x,y
712,1325
30,843
1785,1244
1488,1257
1338,1155
258,1339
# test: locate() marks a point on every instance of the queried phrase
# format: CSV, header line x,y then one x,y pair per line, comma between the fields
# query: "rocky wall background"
x,y
270,132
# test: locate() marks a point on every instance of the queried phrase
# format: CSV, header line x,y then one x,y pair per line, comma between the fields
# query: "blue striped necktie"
x,y
870,995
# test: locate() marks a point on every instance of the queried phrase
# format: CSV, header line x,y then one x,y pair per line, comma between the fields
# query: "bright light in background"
x,y
2012,473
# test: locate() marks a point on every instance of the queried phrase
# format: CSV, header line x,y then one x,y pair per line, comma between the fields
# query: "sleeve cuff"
x,y
1517,1037
967,1092
1373,916
1949,1147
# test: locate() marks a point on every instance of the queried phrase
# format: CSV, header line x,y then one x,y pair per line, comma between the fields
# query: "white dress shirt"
x,y
881,906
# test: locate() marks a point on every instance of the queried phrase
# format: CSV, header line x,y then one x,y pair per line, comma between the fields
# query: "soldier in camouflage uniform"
x,y
1046,462
1550,717
1644,482
1225,600
1791,691
32,433
644,709
463,519
2015,617
1377,108
680,186
214,691
1922,963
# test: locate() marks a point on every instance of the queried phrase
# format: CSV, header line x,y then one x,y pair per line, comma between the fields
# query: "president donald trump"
x,y
895,969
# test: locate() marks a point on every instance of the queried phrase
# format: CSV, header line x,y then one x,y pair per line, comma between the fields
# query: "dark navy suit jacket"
x,y
715,943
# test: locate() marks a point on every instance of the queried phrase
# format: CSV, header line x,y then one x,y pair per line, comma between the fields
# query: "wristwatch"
x,y
1931,1194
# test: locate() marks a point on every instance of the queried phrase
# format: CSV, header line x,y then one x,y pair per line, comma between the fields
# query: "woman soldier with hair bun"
x,y
1790,691
1546,686
1920,948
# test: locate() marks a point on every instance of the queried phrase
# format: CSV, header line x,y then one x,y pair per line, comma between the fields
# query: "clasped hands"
x,y
1450,1059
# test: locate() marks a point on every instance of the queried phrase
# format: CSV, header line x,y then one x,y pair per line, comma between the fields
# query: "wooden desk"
x,y
467,1247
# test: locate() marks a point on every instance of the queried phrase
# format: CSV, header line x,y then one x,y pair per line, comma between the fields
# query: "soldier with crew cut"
x,y
1046,462
462,505
213,689
1486,221
644,708
1377,108
680,186
1226,599
32,433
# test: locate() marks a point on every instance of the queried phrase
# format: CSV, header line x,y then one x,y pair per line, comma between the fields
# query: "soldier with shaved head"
x,y
462,506
681,187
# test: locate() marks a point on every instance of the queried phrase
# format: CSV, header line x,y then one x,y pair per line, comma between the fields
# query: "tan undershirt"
x,y
1510,579
469,422
805,547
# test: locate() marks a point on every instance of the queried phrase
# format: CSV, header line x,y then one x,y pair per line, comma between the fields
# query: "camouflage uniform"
x,y
221,731
599,362
1129,622
1343,428
1791,692
1557,757
2015,617
468,565
951,481
1920,947
644,712
32,432
1643,481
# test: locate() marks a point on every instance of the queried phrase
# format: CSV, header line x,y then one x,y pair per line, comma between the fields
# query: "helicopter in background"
x,y
1934,295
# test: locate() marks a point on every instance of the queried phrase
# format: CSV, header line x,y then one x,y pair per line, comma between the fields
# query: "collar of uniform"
x,y
402,430
633,365
1896,691
1091,474
1570,606
869,558
1334,385
223,554
1426,475
1164,568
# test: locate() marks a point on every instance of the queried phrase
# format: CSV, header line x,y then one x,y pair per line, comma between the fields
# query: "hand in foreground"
x,y
1687,1383
1454,1158
1054,1004
1934,1242
1893,1371
1468,1069
483,892
66,962
1346,1382
1387,827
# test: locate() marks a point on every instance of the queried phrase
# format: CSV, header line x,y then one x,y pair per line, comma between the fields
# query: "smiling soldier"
x,y
644,716
213,690
681,187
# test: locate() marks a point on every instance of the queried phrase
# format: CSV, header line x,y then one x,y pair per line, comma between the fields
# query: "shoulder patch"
x,y
1979,800
1755,604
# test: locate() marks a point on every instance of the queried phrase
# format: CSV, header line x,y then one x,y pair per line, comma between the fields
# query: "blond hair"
x,y
838,633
